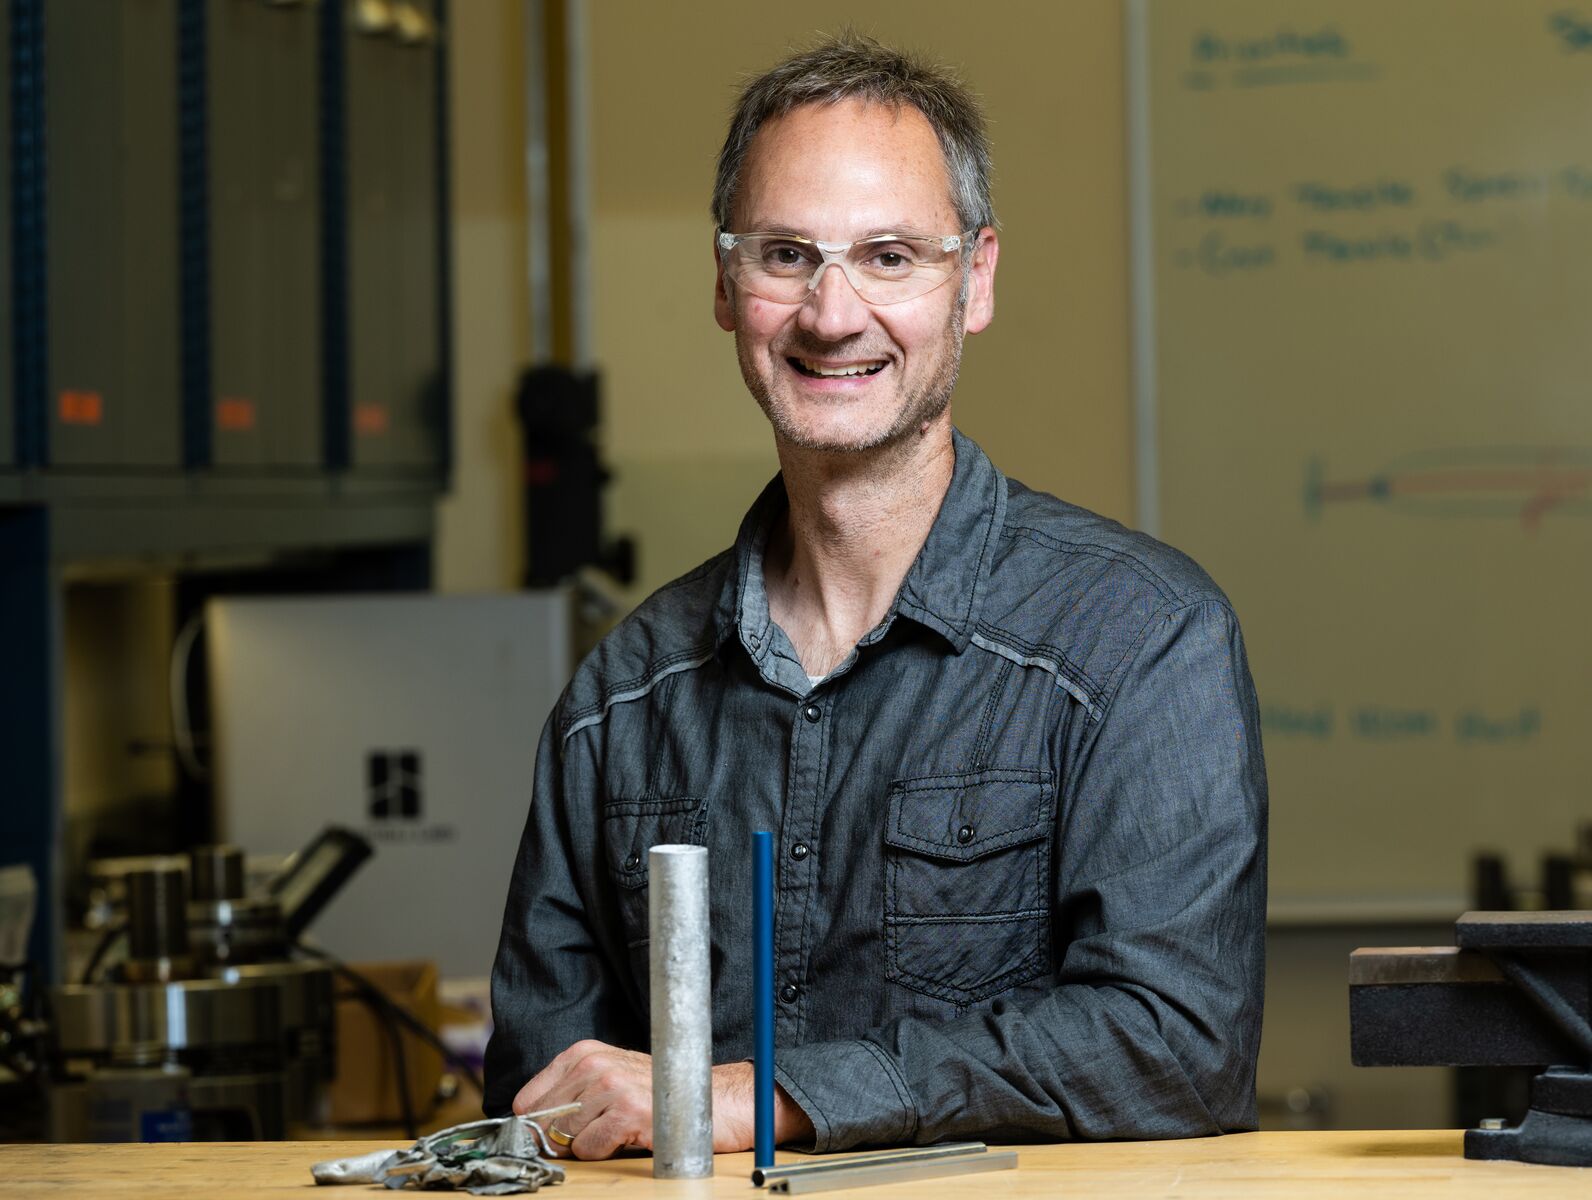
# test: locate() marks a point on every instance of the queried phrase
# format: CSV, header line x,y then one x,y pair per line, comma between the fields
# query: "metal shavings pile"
x,y
501,1156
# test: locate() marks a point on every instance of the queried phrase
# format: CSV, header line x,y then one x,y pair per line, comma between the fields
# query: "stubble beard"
x,y
927,403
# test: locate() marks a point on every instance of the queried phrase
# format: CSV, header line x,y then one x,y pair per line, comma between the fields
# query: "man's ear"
x,y
723,306
981,281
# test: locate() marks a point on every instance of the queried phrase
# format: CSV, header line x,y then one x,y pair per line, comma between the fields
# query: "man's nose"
x,y
833,310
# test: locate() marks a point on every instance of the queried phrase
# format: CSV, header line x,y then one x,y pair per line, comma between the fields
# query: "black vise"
x,y
1515,989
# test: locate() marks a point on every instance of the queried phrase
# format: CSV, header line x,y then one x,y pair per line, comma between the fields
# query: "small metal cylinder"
x,y
157,913
217,872
682,1021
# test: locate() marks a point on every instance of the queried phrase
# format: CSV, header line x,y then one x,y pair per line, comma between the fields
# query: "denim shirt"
x,y
1020,831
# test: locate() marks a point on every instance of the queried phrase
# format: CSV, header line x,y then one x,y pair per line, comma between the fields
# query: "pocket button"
x,y
964,835
632,862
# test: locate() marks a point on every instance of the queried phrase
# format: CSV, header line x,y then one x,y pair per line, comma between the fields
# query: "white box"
x,y
410,719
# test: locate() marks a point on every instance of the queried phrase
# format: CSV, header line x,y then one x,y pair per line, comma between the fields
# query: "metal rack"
x,y
224,324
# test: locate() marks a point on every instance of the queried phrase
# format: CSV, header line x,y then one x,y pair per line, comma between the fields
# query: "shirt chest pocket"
x,y
967,860
633,827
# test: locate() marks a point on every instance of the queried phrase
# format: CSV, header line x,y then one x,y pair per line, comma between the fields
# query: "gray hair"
x,y
850,66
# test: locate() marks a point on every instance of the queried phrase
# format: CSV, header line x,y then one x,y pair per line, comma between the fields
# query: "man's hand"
x,y
614,1088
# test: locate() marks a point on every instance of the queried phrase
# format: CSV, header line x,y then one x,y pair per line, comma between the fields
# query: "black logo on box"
x,y
392,784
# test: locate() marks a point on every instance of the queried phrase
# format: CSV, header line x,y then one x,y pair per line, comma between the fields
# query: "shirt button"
x,y
789,992
812,712
632,862
799,851
964,835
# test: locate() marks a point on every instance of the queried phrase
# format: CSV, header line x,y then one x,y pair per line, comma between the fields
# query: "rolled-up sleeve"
x,y
1152,1026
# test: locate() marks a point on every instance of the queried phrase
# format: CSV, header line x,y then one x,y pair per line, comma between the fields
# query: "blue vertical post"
x,y
763,998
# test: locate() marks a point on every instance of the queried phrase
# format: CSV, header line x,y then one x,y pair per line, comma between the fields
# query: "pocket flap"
x,y
963,817
632,827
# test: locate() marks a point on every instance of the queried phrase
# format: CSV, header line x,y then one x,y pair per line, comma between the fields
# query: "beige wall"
x,y
479,539
1045,390
114,697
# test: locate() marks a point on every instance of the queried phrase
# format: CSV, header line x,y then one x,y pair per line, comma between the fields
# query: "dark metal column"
x,y
28,717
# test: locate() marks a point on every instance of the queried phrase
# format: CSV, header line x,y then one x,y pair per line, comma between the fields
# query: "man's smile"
x,y
815,369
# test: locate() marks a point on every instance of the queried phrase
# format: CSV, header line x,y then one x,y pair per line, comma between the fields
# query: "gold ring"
x,y
558,1135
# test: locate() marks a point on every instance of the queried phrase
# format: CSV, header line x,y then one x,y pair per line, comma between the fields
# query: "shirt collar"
x,y
944,589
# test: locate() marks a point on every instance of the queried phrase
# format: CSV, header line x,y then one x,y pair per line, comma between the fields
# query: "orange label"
x,y
371,418
82,408
235,414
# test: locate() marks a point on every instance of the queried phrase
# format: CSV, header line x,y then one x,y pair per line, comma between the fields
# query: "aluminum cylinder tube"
x,y
682,1019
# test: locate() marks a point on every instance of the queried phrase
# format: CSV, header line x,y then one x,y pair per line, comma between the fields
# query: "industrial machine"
x,y
193,1022
1514,990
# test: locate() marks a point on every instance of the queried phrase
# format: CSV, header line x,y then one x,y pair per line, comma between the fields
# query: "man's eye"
x,y
783,256
892,258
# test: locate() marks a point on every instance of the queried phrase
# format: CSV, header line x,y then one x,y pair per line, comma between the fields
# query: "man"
x,y
1009,750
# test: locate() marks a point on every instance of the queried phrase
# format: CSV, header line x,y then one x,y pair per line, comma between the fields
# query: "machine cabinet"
x,y
397,405
8,414
262,83
113,393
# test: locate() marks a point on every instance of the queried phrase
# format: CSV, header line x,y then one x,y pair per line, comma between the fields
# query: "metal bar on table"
x,y
847,1162
682,1023
895,1172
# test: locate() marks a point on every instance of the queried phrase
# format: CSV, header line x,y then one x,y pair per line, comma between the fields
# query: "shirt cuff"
x,y
851,1092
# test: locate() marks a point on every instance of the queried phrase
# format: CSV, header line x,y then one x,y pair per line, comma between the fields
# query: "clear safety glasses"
x,y
886,269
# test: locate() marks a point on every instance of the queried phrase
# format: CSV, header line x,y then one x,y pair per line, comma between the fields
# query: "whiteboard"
x,y
1362,236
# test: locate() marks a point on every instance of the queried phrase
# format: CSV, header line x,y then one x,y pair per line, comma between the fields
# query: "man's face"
x,y
837,173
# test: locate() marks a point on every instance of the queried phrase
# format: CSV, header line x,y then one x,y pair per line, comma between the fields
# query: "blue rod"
x,y
763,998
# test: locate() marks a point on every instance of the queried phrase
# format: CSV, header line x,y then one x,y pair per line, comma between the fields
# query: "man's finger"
x,y
564,1128
541,1086
615,1129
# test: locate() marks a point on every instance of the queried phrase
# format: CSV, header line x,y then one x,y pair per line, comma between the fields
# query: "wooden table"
x,y
1355,1164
